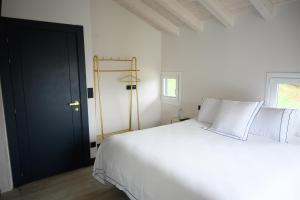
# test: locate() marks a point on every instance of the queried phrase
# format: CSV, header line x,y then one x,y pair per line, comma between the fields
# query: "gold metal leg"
x,y
137,94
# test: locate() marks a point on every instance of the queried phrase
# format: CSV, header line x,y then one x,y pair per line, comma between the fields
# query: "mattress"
x,y
184,161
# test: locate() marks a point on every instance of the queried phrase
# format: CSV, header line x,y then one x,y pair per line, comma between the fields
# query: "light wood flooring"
x,y
75,185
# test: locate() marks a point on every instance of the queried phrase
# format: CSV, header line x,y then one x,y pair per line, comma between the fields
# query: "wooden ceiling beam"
x,y
182,13
264,7
219,12
151,16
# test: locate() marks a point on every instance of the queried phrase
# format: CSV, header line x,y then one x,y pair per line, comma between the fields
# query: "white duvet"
x,y
182,161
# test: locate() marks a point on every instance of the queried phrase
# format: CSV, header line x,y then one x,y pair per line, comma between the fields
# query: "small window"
x,y
288,96
170,87
283,90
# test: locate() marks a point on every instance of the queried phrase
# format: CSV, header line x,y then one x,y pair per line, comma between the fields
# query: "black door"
x,y
46,66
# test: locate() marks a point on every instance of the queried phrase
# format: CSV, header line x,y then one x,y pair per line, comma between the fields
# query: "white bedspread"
x,y
184,162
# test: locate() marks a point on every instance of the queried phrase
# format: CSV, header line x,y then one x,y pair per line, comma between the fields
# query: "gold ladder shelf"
x,y
133,78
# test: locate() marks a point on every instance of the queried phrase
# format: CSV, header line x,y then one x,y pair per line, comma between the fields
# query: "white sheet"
x,y
184,162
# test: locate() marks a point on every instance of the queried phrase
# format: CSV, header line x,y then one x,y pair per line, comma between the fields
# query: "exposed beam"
x,y
264,7
217,10
182,13
151,16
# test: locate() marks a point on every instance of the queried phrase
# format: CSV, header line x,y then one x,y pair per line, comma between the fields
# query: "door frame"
x,y
8,96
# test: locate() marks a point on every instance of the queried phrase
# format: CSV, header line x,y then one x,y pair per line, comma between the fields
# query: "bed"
x,y
186,161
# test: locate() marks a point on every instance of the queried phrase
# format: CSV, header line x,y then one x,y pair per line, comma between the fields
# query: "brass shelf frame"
x,y
116,70
133,72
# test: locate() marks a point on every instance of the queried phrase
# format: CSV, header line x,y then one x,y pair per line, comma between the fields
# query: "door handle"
x,y
75,104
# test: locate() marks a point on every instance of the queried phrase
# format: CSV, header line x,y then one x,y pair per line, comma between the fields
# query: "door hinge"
x,y
15,112
6,39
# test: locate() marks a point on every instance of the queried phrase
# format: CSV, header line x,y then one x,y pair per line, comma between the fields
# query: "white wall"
x,y
5,172
232,63
118,33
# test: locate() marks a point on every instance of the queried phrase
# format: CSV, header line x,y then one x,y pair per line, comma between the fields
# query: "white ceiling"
x,y
171,15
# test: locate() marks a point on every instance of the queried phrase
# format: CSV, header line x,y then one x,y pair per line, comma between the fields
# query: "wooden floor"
x,y
75,185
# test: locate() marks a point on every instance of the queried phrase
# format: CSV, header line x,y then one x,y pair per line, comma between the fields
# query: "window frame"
x,y
171,100
273,79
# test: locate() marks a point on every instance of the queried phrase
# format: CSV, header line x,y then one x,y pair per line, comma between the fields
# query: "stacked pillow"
x,y
272,123
293,133
209,110
229,118
237,119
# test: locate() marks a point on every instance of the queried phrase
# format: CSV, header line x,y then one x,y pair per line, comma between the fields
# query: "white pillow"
x,y
272,123
234,118
209,109
293,135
